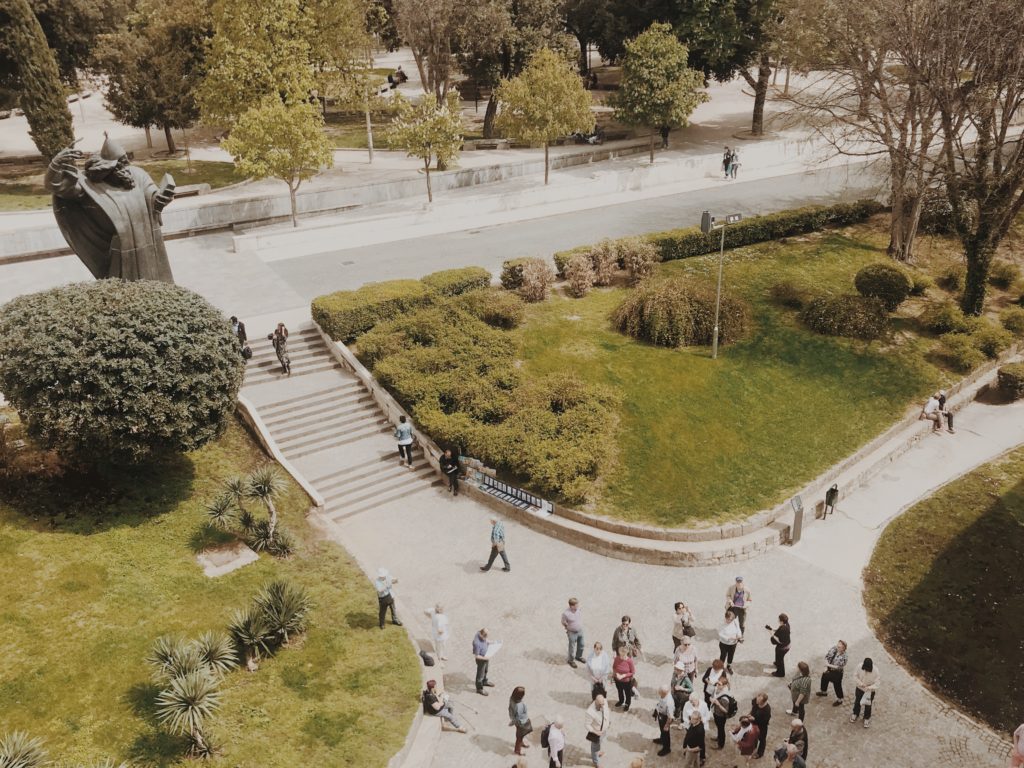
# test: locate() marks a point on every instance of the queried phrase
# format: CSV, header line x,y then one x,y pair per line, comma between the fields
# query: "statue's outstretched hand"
x,y
163,198
65,160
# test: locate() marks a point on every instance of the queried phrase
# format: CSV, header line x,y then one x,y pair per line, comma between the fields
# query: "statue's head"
x,y
110,166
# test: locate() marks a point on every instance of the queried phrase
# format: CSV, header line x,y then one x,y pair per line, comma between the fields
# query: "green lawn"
x,y
942,593
708,441
92,574
25,192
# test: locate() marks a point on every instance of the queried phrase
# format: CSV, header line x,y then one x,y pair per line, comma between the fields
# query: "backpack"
x,y
246,352
544,742
732,706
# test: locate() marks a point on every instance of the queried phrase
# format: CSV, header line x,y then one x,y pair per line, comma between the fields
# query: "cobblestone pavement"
x,y
435,548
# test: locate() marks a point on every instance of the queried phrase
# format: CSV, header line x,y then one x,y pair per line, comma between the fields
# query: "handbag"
x,y
525,728
689,631
591,736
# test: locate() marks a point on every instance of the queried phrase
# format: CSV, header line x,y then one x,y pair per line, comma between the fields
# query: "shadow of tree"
x,y
361,620
142,698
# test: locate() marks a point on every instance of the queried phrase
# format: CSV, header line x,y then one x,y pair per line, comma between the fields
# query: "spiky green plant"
x,y
174,656
217,652
187,704
235,487
19,750
221,510
259,537
246,521
282,545
250,632
265,484
285,606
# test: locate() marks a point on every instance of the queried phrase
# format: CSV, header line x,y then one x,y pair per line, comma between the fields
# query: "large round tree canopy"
x,y
119,371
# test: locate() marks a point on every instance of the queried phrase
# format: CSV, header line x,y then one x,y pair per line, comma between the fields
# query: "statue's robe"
x,y
114,231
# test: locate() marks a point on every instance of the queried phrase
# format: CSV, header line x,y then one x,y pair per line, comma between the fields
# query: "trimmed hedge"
x,y
498,308
945,318
674,313
961,352
1011,380
856,317
579,274
991,339
346,314
538,277
512,273
885,282
685,243
452,282
1012,319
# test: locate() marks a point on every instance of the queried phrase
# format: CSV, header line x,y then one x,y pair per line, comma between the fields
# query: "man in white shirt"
x,y
663,712
597,720
931,412
385,598
556,742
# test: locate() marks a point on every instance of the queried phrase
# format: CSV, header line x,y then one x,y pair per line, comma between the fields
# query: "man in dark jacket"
x,y
450,467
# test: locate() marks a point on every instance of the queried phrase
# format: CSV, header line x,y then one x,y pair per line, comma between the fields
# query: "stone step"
x,y
397,493
261,376
303,354
350,474
299,435
351,469
344,388
331,441
379,483
320,412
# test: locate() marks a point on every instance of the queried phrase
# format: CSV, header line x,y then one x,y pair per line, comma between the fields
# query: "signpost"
x,y
707,225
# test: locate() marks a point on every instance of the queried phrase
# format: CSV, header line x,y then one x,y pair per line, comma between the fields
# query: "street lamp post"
x,y
707,225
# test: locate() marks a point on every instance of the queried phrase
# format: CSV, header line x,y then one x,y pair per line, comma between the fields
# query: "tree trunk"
x,y
171,149
903,222
271,509
864,105
584,59
292,189
430,192
149,138
490,114
764,72
546,164
198,742
785,87
979,251
651,147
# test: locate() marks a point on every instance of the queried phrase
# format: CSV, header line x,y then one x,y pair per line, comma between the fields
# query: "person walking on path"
x,y
1017,751
737,600
437,704
664,713
697,707
439,631
572,622
599,666
385,598
623,670
681,687
665,129
866,679
597,720
798,736
480,646
497,546
727,161
556,742
761,714
520,718
746,735
693,742
403,434
734,164
625,635
730,634
710,680
781,640
682,625
800,690
279,338
787,756
946,412
835,660
687,654
930,411
721,704
450,466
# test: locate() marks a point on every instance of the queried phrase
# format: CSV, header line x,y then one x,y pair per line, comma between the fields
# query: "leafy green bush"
x,y
991,339
1011,380
638,257
538,277
345,314
920,283
960,350
494,306
1012,319
452,282
953,278
789,294
119,371
1003,274
856,317
512,273
579,274
945,318
675,313
885,282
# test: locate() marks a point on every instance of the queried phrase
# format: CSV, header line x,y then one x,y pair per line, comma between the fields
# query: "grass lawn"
x,y
942,593
91,575
709,441
21,187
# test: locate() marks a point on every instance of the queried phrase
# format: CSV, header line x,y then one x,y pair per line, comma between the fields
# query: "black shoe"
x,y
581,661
626,708
382,626
778,674
481,691
506,570
485,568
820,693
663,752
838,703
618,703
396,622
488,683
729,669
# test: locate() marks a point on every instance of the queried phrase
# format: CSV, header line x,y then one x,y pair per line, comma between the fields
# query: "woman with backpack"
x,y
723,706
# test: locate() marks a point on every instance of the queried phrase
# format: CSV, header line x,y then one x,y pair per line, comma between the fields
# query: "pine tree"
x,y
41,92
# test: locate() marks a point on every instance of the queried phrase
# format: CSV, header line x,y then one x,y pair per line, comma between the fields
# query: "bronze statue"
x,y
110,213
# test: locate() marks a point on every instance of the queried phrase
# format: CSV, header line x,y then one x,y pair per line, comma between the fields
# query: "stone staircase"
x,y
330,428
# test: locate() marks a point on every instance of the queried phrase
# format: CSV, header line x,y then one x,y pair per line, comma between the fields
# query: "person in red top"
x,y
623,670
746,735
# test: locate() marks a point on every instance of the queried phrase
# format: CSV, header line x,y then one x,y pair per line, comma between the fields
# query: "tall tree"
x,y
658,87
284,141
42,94
431,29
973,65
428,130
545,102
586,20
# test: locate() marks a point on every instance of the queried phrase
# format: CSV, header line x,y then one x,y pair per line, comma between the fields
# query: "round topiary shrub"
x,y
579,274
885,282
991,339
1011,380
856,317
119,371
674,313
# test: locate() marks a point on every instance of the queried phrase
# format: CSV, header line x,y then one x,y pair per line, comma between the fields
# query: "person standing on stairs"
x,y
279,338
403,433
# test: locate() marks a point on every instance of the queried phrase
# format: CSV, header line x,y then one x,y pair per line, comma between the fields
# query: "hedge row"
x,y
452,282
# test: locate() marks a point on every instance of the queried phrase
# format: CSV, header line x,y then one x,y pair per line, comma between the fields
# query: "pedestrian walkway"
x,y
435,544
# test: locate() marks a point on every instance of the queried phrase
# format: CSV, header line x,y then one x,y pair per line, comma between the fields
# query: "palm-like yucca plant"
x,y
250,631
221,510
235,487
217,652
259,536
186,705
19,750
173,656
265,484
285,607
